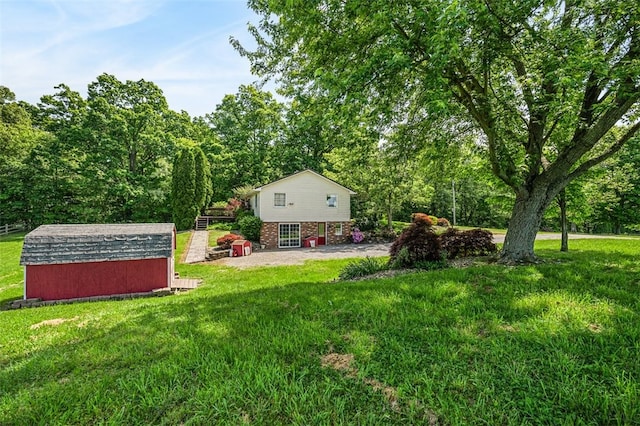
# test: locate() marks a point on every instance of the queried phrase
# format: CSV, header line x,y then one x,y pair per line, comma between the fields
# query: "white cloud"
x,y
45,43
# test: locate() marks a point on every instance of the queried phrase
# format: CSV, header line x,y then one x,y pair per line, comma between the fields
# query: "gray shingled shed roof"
x,y
55,244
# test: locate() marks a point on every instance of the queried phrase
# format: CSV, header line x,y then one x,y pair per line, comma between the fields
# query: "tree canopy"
x,y
553,86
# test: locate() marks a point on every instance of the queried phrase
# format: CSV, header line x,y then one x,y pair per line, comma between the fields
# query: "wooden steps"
x,y
201,223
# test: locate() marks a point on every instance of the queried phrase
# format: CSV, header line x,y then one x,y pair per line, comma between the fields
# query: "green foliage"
x,y
386,177
129,154
250,226
204,188
362,268
18,139
221,226
613,193
402,259
430,265
245,127
183,190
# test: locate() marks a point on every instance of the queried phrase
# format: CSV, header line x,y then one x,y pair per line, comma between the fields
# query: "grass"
x,y
555,343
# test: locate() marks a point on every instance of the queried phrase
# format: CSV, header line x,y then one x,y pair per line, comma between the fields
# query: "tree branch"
x,y
599,159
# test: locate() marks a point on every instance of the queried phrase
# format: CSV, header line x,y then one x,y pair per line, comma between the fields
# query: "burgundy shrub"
x,y
420,242
226,240
475,242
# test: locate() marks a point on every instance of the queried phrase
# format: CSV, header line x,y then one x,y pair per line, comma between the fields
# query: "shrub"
x,y
250,227
221,226
357,236
232,206
419,241
434,219
422,218
362,268
443,222
381,235
365,223
400,260
242,213
226,240
475,242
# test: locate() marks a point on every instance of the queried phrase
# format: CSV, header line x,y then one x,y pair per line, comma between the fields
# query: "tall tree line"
x,y
113,156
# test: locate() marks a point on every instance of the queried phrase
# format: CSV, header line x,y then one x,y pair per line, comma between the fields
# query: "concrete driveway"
x,y
297,256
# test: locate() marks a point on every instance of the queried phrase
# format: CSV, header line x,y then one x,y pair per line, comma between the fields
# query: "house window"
x,y
338,228
279,199
288,235
332,200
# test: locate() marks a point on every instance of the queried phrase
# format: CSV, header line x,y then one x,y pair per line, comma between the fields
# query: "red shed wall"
x,y
72,280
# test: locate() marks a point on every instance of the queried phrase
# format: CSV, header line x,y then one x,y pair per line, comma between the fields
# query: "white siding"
x,y
254,202
306,200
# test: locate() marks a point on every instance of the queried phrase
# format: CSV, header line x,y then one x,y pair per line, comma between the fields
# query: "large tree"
x,y
544,81
18,139
246,126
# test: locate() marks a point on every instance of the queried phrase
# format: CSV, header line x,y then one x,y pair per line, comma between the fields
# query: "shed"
x,y
72,261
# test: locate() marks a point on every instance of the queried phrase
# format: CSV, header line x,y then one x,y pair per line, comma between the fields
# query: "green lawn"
x,y
555,343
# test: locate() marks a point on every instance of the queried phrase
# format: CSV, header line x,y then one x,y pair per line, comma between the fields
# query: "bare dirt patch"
x,y
339,362
52,322
344,364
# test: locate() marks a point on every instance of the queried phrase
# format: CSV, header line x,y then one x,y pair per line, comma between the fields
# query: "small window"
x,y
338,228
279,199
332,200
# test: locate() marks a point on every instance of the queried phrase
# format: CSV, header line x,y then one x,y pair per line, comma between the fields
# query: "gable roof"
x,y
260,188
57,244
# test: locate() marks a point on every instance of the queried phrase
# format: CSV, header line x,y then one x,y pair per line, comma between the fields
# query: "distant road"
x,y
499,238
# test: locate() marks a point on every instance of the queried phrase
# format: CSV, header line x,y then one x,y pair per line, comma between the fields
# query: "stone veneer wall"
x,y
308,229
269,233
332,238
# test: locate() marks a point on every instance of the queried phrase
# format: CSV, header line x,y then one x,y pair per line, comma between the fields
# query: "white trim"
x,y
24,297
170,272
335,229
333,205
275,195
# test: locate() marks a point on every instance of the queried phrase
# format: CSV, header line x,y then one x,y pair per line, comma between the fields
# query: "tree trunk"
x,y
564,225
390,213
524,224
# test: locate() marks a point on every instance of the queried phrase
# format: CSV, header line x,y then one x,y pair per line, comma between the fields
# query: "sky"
x,y
180,45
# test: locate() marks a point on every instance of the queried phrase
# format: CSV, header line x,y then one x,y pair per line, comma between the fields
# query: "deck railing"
x,y
8,229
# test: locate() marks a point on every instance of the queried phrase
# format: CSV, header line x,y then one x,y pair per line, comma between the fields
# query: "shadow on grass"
x,y
538,344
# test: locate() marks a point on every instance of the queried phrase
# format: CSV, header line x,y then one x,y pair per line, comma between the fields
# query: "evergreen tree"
x,y
204,188
183,190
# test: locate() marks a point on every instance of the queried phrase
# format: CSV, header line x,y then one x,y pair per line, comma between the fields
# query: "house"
x,y
305,204
72,261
